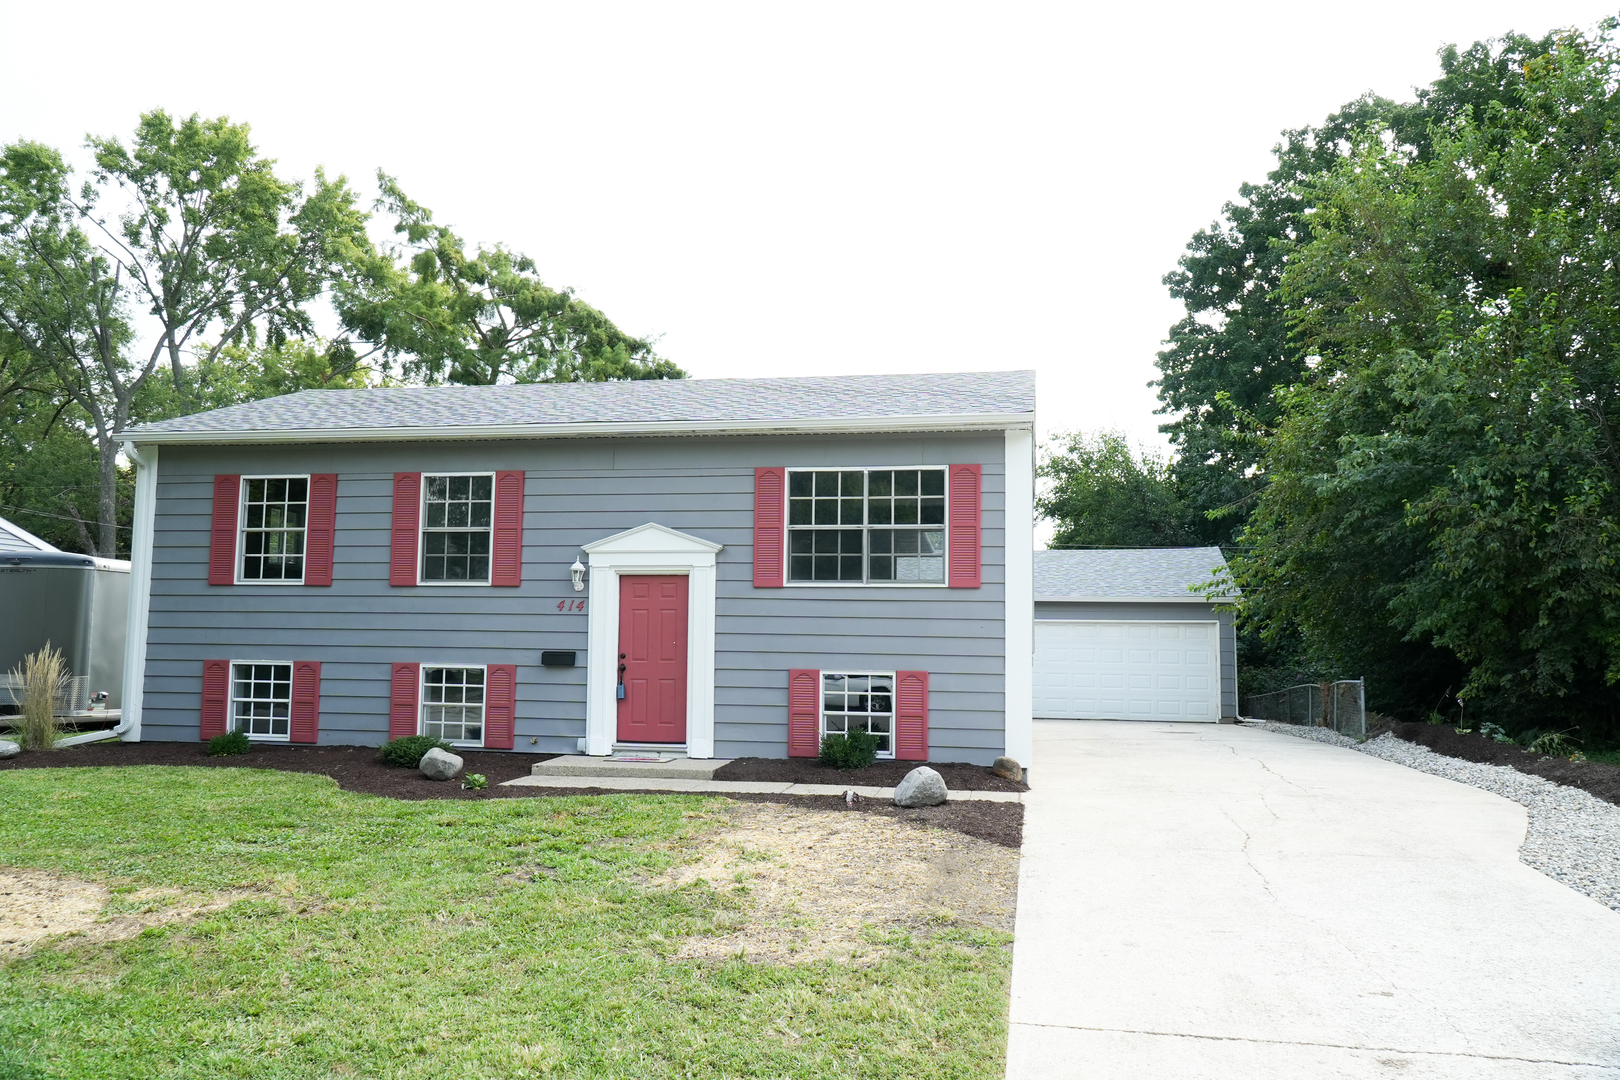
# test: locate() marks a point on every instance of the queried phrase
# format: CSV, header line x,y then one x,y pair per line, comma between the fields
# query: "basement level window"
x,y
859,702
453,704
261,700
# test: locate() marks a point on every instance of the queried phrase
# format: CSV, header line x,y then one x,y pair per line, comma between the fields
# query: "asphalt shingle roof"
x,y
671,402
1127,573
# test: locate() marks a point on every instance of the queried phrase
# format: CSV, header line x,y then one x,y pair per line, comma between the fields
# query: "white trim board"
x,y
649,549
140,589
842,426
1019,593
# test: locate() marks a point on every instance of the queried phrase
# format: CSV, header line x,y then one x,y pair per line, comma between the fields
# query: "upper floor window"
x,y
275,510
457,521
866,525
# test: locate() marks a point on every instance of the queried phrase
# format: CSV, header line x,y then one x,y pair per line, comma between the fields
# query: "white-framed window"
x,y
274,515
866,526
458,520
261,700
453,703
859,701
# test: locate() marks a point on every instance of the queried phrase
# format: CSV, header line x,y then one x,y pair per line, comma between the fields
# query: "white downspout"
x,y
1020,595
140,589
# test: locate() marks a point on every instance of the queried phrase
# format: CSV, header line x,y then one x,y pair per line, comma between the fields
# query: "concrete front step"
x,y
580,765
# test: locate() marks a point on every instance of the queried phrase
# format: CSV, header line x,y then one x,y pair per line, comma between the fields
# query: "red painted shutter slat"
x,y
507,565
318,529
769,509
911,715
222,539
407,512
804,713
500,699
306,701
402,700
216,697
965,526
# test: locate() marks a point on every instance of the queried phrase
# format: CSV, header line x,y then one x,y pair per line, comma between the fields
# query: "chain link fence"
x,y
1340,705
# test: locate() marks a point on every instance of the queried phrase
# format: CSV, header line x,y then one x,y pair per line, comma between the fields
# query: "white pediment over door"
x,y
652,539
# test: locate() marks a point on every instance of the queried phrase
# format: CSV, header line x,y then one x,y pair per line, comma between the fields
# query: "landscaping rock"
x,y
439,765
1007,768
922,786
9,748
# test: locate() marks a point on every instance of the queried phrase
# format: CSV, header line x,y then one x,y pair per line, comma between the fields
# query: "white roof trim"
x,y
651,538
840,425
1189,599
25,536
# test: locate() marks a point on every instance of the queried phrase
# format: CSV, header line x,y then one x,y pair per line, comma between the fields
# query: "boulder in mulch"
x,y
922,786
1007,768
439,764
9,748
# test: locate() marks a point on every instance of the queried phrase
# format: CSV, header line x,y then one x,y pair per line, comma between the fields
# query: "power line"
x,y
60,517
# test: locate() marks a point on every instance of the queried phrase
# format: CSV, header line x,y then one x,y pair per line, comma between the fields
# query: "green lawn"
x,y
507,938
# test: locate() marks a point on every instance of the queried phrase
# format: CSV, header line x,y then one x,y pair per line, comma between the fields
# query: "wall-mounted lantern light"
x,y
577,572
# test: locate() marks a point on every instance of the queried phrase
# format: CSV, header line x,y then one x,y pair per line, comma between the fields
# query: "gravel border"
x,y
1572,837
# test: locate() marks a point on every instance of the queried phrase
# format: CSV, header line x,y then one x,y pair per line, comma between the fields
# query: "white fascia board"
x,y
1134,599
838,425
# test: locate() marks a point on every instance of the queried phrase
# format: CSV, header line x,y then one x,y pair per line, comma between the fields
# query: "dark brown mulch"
x,y
356,768
957,776
1599,778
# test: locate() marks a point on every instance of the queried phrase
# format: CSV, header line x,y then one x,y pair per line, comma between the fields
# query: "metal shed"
x,y
1121,635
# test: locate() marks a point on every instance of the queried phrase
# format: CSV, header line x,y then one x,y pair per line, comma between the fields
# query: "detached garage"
x,y
1120,635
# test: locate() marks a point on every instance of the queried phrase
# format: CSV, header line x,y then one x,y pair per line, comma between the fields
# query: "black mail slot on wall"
x,y
550,658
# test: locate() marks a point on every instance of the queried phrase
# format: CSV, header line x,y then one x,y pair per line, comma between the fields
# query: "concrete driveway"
x,y
1203,902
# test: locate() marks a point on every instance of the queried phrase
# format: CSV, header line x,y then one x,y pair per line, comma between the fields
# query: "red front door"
x,y
652,661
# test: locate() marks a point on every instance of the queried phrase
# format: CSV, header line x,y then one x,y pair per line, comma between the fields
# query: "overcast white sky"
x,y
786,189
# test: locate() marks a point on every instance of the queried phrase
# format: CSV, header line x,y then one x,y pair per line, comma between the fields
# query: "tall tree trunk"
x,y
107,507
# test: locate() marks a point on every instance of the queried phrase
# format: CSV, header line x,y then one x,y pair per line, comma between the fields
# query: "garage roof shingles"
x,y
1126,574
671,402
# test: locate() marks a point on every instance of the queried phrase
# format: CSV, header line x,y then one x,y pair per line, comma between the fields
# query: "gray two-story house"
x,y
721,567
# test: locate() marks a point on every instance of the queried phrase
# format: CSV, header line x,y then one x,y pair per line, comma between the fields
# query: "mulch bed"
x,y
958,776
356,768
1599,778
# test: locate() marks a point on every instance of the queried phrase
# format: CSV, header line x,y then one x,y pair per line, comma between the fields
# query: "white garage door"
x,y
1127,670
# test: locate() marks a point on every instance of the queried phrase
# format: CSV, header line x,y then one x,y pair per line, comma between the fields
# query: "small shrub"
x,y
43,677
1436,719
232,742
474,781
1554,744
407,752
1494,732
856,750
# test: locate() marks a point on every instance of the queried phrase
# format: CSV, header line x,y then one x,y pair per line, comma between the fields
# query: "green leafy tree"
x,y
1444,490
211,252
1233,349
1101,493
445,314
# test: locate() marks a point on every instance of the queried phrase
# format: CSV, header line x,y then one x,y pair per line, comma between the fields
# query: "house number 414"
x,y
570,605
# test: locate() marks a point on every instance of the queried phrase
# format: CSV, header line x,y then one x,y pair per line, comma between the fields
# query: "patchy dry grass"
x,y
289,929
812,885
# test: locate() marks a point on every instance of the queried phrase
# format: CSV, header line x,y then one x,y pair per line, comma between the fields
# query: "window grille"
x,y
275,510
453,704
261,699
866,525
456,527
859,703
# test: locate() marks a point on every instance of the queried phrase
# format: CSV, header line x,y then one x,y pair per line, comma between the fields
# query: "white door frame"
x,y
649,549
1216,623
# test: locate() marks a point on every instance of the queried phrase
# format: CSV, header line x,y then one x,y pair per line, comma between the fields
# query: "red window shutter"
x,y
402,703
222,541
306,701
407,513
500,699
216,697
804,712
911,715
769,510
964,527
318,531
506,568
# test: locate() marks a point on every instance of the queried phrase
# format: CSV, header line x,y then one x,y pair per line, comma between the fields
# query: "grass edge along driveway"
x,y
508,938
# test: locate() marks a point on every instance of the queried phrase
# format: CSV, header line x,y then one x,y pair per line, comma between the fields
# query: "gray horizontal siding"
x,y
1177,612
575,493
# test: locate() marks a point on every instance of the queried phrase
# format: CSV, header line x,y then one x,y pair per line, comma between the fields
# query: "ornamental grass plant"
x,y
42,679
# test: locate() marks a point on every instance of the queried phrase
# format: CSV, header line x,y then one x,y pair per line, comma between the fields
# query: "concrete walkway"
x,y
737,787
1203,902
